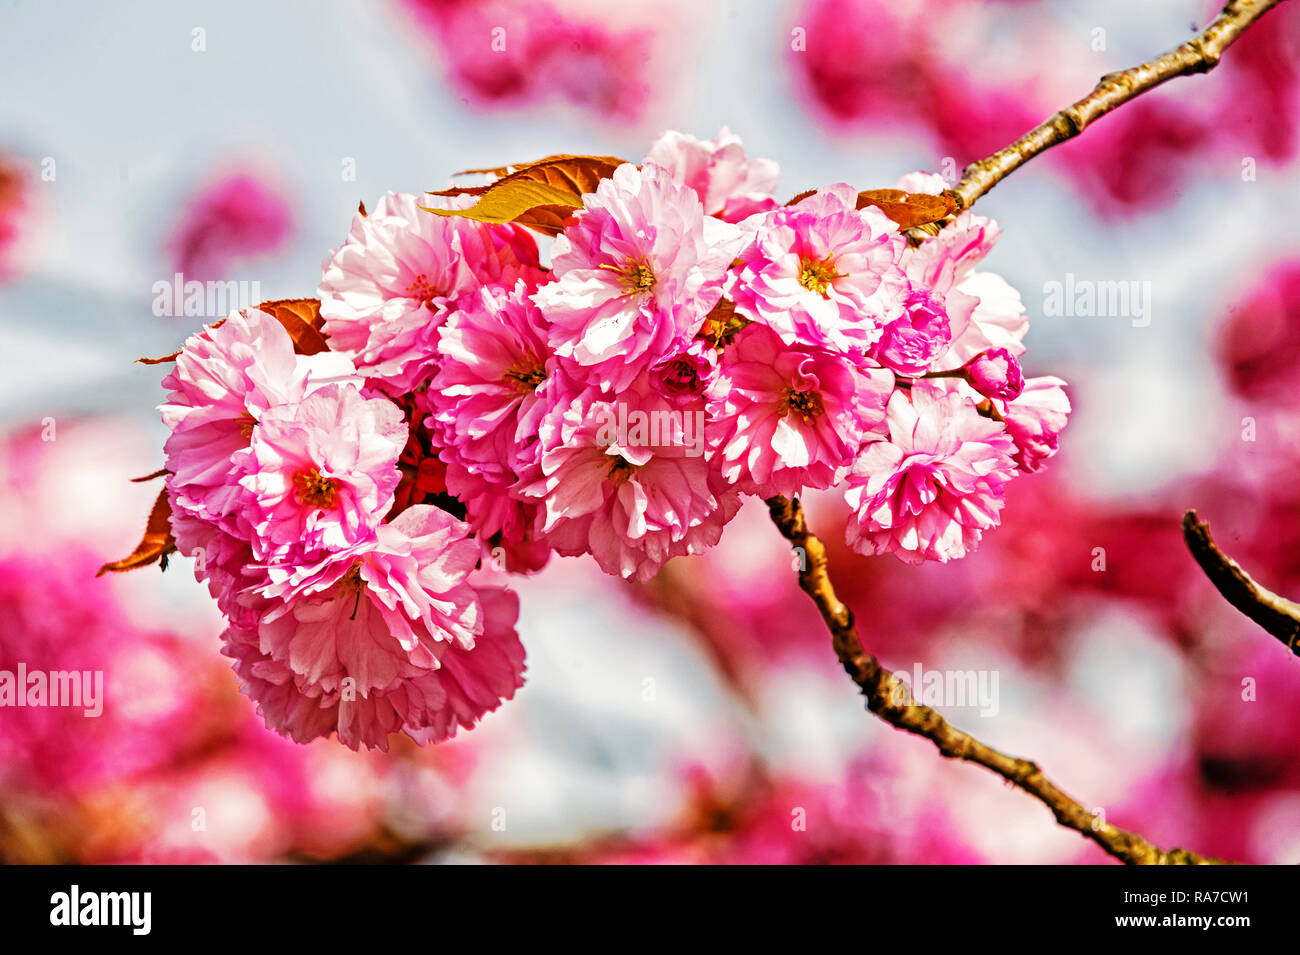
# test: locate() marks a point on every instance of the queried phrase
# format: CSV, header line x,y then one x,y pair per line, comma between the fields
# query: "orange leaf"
x,y
583,172
302,320
908,209
801,197
156,543
540,195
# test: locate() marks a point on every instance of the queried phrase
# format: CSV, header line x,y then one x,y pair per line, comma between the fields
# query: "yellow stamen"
x,y
817,276
526,380
314,489
637,277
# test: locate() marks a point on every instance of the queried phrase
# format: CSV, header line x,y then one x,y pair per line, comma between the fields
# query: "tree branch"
x,y
1277,615
1198,55
889,698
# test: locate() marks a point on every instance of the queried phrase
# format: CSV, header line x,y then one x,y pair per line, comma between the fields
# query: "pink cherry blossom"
x,y
634,275
1035,420
936,484
428,704
172,733
484,406
731,185
997,320
320,473
507,524
413,571
355,644
476,681
386,290
862,46
822,272
910,345
225,379
239,215
784,418
630,501
552,52
686,376
996,374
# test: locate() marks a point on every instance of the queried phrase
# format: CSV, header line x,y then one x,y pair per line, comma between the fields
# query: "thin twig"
x,y
1277,615
1200,54
889,698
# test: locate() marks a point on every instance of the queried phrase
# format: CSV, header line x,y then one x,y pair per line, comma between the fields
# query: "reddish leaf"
x,y
157,361
908,209
539,195
156,543
802,196
301,318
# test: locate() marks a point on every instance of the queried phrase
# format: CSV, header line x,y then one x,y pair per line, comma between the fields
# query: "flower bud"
x,y
912,343
996,374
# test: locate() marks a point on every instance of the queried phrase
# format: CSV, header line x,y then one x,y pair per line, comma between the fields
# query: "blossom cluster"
x,y
691,341
343,616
